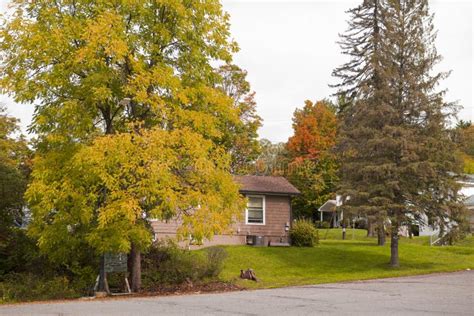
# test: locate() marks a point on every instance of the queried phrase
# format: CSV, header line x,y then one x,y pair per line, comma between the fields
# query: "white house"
x,y
330,212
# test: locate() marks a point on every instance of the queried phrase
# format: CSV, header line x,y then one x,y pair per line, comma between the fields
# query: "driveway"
x,y
450,293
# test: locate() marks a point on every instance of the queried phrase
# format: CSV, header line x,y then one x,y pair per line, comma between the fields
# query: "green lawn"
x,y
336,260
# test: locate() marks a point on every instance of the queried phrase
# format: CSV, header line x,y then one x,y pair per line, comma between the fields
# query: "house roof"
x,y
469,201
266,184
329,206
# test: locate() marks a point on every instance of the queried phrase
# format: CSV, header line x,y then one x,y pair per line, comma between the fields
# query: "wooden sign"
x,y
115,262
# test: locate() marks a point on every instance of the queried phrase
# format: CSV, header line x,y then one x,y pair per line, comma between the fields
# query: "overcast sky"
x,y
289,50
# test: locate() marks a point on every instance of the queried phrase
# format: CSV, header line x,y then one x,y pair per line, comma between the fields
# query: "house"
x,y
331,213
266,219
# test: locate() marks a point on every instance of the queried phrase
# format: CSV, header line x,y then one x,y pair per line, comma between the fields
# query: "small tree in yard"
x,y
397,158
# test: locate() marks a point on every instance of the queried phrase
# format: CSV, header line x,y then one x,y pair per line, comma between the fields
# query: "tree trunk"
x,y
394,262
102,276
134,265
370,228
380,233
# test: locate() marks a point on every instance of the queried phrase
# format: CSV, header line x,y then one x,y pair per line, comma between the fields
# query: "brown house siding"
x,y
277,216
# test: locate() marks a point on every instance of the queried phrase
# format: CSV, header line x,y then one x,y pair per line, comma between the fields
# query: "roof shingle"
x,y
266,184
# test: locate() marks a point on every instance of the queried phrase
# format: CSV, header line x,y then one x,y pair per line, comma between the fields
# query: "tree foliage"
x,y
398,159
14,170
119,182
467,140
312,164
104,64
119,68
242,142
463,136
272,159
315,127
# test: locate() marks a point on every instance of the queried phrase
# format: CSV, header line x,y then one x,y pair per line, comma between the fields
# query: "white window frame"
x,y
247,213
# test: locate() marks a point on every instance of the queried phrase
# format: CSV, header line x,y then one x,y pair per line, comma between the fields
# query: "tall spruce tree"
x,y
363,78
398,160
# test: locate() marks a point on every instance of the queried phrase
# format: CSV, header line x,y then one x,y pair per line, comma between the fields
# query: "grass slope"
x,y
336,260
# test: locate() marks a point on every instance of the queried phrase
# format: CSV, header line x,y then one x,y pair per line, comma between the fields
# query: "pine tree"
x,y
364,43
398,160
362,78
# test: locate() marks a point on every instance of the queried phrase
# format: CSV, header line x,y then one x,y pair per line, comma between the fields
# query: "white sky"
x,y
289,50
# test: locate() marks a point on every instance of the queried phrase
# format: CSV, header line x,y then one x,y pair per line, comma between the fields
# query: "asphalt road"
x,y
444,294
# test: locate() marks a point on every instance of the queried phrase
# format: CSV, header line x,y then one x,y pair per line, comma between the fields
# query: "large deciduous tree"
x,y
103,68
100,65
312,164
114,186
398,161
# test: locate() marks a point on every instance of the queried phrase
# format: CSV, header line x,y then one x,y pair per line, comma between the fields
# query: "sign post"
x,y
109,263
115,262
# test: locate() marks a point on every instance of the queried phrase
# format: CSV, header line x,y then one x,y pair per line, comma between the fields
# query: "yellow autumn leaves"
x,y
122,180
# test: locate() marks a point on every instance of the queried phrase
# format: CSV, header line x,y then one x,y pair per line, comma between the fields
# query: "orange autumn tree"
x,y
314,128
313,167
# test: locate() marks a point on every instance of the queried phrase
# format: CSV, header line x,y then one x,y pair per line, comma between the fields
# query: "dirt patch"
x,y
190,288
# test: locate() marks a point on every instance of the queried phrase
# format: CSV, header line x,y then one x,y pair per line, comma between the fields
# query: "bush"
x,y
304,234
215,261
29,287
20,254
361,223
168,264
26,274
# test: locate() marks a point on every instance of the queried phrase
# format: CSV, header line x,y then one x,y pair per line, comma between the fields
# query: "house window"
x,y
255,213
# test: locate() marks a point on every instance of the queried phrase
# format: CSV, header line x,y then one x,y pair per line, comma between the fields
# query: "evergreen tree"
x,y
362,78
398,159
